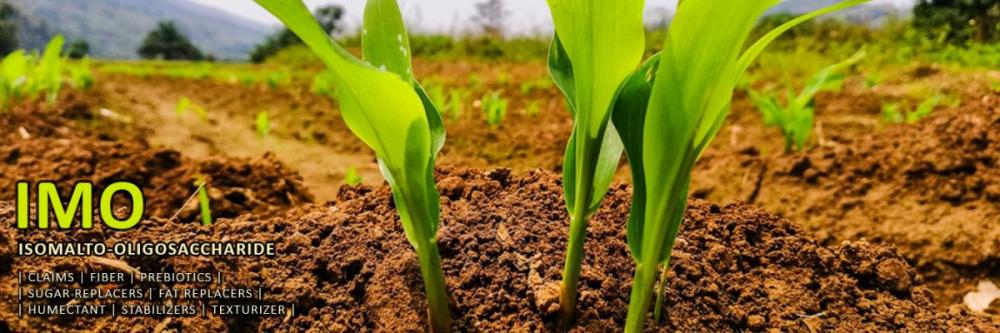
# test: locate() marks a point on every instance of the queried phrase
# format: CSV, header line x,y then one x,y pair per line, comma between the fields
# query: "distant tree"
x,y
329,17
959,20
78,49
8,28
168,43
490,16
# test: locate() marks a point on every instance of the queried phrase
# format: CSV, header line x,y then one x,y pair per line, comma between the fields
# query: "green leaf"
x,y
561,71
597,45
628,117
381,105
385,43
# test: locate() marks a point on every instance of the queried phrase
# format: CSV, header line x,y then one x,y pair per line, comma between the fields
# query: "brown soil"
x,y
348,267
929,189
59,147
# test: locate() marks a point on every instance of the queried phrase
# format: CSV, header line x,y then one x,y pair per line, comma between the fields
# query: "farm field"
x,y
884,219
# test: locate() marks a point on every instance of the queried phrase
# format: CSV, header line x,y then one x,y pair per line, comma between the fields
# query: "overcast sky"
x,y
448,16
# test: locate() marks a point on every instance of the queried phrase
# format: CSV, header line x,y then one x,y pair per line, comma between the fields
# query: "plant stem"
x,y
571,270
579,219
638,306
658,307
435,287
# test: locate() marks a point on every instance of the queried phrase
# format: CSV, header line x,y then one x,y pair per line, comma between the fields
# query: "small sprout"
x,y
263,124
924,109
495,107
456,103
795,118
351,177
895,113
182,106
185,104
892,113
873,80
204,202
80,75
532,109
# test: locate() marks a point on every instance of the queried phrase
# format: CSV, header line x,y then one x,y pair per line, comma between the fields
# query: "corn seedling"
x,y
596,46
456,103
81,76
389,111
185,104
670,110
322,85
48,75
495,107
25,77
263,124
532,109
895,113
795,118
436,94
351,177
276,79
203,202
872,80
182,106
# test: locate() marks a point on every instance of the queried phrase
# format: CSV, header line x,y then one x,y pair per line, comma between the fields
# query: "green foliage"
x,y
8,28
263,124
795,118
895,113
168,43
277,79
351,177
25,77
958,21
670,110
495,108
390,112
78,49
80,75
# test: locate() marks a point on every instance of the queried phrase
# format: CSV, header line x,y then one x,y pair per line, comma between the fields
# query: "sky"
x,y
529,17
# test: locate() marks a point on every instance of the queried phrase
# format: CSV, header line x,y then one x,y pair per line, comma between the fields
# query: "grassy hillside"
x,y
115,28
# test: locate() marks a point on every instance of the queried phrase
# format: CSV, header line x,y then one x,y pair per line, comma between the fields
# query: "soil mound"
x,y
43,144
348,267
931,189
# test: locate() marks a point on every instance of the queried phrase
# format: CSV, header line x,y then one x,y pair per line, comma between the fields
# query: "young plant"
x,y
596,46
456,103
203,202
795,119
263,124
48,75
895,113
388,110
669,111
80,75
495,107
351,177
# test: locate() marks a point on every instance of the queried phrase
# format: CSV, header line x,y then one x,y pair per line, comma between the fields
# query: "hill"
x,y
115,28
